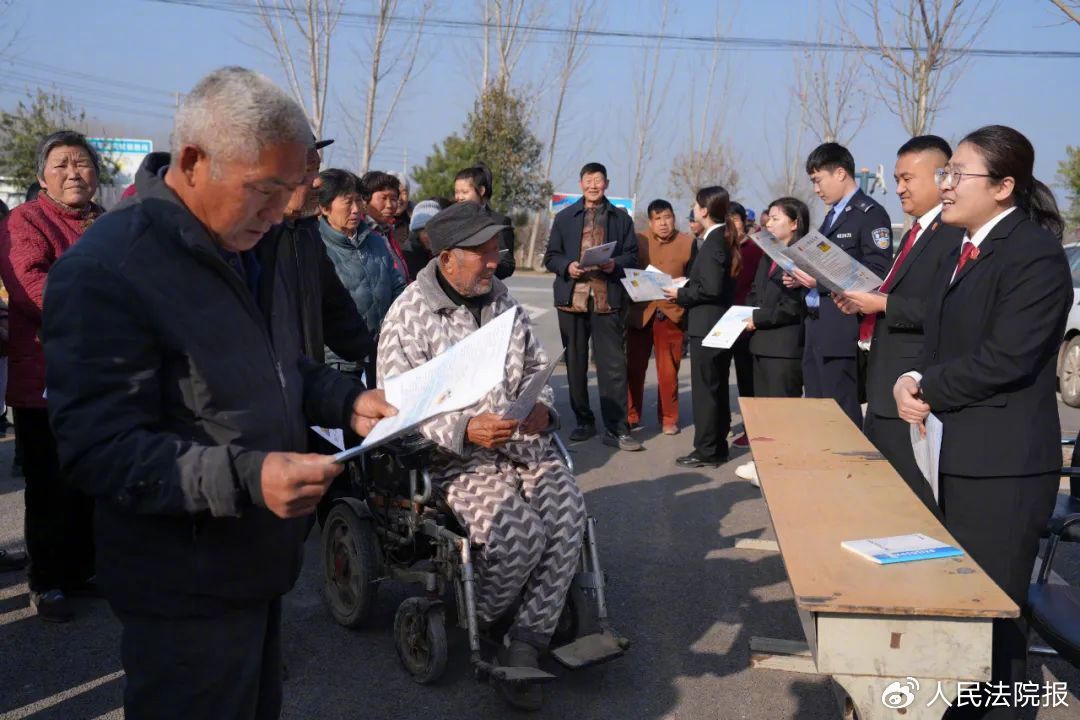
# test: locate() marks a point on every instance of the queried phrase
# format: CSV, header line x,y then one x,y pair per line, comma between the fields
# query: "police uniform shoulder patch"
x,y
882,237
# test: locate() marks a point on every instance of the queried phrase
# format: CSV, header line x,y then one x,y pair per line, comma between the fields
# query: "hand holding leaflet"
x,y
927,449
454,380
641,290
530,395
728,328
833,268
648,284
597,256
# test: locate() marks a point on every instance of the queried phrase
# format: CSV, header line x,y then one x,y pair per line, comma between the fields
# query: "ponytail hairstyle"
x,y
795,210
717,203
1008,153
479,175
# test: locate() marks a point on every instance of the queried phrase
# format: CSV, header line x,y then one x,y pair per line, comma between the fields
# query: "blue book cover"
x,y
901,548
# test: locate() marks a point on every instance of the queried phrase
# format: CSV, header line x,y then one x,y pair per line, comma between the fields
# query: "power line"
x,y
745,43
67,73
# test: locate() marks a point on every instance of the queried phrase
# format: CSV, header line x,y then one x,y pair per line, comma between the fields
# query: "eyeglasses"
x,y
941,175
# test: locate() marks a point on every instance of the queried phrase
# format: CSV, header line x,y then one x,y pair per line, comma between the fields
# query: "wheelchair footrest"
x,y
520,674
591,649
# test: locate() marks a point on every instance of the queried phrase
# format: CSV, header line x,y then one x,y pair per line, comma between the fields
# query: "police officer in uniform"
x,y
860,226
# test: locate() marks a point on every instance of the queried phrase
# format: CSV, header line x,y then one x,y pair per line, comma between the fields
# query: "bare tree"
x,y
791,180
371,129
1071,9
706,159
829,89
694,169
921,46
485,11
506,29
648,99
308,25
584,15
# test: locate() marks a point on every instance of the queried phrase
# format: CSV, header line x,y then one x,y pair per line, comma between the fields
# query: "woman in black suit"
x,y
708,293
777,340
988,371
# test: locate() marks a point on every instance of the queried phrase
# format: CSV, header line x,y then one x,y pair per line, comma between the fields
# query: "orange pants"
x,y
667,338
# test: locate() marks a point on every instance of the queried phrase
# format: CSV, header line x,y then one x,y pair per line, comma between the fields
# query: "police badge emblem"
x,y
882,238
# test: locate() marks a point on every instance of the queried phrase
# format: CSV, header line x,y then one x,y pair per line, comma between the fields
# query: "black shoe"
x,y
52,606
695,460
521,695
623,442
87,589
10,561
582,432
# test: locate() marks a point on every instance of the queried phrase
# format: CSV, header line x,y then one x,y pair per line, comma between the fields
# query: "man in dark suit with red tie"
x,y
892,318
860,226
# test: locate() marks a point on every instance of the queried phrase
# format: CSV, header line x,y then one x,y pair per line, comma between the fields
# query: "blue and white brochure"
x,y
901,548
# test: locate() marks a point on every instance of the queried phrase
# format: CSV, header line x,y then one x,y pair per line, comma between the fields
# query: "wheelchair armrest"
x,y
411,445
1070,472
563,451
1059,525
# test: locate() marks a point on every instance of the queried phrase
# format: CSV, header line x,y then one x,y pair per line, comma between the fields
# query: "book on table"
x,y
901,548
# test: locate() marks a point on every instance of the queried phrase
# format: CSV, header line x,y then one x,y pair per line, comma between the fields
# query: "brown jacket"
x,y
671,256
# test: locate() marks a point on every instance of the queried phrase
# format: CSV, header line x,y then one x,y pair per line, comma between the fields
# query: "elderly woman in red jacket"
x,y
59,538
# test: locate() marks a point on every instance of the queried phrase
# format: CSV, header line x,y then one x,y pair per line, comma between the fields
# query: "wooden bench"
x,y
866,625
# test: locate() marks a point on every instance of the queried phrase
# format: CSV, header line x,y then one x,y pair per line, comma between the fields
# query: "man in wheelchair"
x,y
505,481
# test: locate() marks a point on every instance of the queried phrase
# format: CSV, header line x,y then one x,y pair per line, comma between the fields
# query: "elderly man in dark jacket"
x,y
591,303
328,316
180,398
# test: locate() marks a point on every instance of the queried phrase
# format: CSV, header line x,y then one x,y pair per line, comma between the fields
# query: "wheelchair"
x,y
384,522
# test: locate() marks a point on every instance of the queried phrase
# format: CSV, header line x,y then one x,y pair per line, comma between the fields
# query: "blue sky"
x,y
124,59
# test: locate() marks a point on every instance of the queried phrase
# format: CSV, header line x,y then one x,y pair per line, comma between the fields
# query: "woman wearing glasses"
x,y
988,369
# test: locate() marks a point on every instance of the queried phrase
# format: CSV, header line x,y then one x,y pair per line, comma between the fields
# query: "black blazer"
x,y
898,334
709,289
864,232
779,315
507,264
989,363
564,247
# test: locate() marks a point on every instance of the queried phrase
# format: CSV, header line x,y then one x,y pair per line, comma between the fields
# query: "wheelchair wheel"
x,y
420,638
350,566
579,616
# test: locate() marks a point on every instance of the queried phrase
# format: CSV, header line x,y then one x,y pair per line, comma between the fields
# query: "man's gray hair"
x,y
233,113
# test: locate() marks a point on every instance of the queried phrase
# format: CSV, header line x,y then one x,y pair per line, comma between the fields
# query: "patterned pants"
x,y
528,523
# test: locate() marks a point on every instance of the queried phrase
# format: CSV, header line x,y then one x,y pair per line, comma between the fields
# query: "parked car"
x,y
1068,367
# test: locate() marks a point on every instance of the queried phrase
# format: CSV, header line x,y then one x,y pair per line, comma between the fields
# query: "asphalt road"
x,y
688,600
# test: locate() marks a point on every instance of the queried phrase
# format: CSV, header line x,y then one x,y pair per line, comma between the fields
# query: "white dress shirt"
x,y
975,240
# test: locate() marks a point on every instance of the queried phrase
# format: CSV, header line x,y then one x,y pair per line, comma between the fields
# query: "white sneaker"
x,y
748,471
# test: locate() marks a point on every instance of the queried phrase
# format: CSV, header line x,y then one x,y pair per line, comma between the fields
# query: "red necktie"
x,y
967,252
866,325
772,268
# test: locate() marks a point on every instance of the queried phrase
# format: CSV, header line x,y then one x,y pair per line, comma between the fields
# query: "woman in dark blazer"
x,y
776,343
988,370
708,293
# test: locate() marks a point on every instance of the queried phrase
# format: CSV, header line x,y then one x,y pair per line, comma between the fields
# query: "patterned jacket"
x,y
422,323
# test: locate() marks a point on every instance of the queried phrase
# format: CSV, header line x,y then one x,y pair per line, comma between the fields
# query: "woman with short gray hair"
x,y
59,530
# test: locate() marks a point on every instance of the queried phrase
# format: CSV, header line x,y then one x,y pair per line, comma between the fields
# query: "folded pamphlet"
x,y
901,548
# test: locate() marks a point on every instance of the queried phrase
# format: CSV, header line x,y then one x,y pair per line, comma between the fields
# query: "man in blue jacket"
x,y
591,303
180,399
